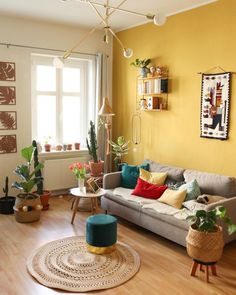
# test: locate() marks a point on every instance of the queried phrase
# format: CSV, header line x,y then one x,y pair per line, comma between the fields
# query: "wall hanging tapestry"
x,y
7,120
215,96
7,71
66,264
8,144
7,95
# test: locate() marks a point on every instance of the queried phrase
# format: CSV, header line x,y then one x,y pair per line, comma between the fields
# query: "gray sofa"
x,y
165,225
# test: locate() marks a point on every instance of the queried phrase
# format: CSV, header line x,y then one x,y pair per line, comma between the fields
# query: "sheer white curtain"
x,y
102,90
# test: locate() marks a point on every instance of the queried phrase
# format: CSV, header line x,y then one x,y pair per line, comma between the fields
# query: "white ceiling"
x,y
74,12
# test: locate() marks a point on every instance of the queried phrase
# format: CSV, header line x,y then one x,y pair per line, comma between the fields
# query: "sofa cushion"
x,y
173,198
147,190
157,178
130,174
193,190
175,174
212,184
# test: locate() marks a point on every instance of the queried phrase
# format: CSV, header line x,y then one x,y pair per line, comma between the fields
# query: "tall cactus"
x,y
92,143
38,173
5,190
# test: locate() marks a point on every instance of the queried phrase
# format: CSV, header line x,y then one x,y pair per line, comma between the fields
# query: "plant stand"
x,y
206,264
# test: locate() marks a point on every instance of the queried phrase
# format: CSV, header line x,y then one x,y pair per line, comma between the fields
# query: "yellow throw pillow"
x,y
173,198
157,178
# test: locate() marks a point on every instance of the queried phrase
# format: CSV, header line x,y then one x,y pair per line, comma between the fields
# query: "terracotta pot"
x,y
69,147
77,146
205,246
96,169
47,147
44,198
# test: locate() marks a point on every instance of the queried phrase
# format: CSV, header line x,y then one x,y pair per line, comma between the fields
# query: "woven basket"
x,y
205,246
29,216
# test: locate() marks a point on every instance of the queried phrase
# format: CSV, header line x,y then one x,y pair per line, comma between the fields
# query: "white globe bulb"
x,y
159,19
127,52
58,62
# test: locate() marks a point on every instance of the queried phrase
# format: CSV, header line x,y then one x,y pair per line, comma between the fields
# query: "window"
x,y
63,100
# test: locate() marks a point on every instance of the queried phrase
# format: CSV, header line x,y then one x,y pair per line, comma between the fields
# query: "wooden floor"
x,y
165,265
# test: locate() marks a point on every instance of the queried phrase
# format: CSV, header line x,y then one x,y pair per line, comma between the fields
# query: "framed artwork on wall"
x,y
7,95
7,71
215,97
8,144
8,120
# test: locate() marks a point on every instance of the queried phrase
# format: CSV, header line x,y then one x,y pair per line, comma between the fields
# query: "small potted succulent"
x,y
143,65
27,206
96,166
205,237
7,202
119,149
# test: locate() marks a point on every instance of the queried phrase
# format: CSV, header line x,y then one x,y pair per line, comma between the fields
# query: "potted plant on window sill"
x,y
205,238
44,194
96,166
119,149
7,202
27,206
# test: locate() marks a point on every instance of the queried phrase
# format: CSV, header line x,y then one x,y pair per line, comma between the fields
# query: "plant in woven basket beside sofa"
x,y
27,207
119,149
96,166
205,237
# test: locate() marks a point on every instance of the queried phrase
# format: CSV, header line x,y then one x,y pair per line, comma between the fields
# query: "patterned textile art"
x,y
66,264
215,96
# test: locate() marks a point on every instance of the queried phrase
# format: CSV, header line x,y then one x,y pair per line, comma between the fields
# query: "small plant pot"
x,y
77,146
47,147
205,246
143,72
69,147
45,199
96,169
7,204
58,147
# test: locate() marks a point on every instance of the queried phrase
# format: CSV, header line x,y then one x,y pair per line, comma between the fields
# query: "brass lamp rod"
x,y
149,16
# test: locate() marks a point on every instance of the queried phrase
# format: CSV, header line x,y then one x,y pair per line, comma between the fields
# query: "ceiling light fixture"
x,y
159,19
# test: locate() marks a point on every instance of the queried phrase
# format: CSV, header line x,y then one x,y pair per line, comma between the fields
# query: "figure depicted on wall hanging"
x,y
215,105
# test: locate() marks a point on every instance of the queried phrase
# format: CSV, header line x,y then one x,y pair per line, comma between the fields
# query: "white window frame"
x,y
87,93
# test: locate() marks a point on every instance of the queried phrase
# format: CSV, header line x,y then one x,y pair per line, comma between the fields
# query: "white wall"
x,y
38,34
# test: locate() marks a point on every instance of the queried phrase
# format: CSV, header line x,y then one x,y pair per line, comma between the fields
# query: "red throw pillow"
x,y
147,190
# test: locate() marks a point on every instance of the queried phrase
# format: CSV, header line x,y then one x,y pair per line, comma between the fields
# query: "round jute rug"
x,y
66,264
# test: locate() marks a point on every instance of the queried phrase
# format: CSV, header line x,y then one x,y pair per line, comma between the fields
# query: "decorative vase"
x,y
205,246
81,183
144,72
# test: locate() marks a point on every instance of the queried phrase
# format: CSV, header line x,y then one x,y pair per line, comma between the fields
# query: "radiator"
x,y
57,175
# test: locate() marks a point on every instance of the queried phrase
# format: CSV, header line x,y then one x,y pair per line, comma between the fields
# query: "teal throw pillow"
x,y
193,190
130,174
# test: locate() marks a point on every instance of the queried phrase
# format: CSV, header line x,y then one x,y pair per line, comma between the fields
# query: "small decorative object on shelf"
x,y
58,147
142,64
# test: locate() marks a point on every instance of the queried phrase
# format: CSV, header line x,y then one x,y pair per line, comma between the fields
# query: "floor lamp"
x,y
107,113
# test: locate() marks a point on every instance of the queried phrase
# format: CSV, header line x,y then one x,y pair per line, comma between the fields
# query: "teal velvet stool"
x,y
101,233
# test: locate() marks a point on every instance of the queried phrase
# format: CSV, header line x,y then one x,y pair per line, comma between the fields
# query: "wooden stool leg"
x,y
194,268
213,270
201,267
207,274
75,209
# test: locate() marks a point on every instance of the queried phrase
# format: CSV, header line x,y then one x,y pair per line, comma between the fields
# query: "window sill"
x,y
62,154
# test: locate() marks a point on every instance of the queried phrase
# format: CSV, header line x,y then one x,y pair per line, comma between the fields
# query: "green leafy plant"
x,y
141,63
28,178
206,221
92,143
119,149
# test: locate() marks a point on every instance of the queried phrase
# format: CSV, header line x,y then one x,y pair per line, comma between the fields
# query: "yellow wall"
x,y
188,43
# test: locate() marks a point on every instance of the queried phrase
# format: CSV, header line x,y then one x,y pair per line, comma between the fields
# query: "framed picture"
x,y
7,95
7,71
8,120
93,186
8,144
215,97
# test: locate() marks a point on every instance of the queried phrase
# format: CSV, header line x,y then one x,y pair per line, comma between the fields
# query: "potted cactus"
x,y
44,194
7,202
96,166
27,207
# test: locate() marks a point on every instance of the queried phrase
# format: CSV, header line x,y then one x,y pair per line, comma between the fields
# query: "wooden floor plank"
x,y
165,266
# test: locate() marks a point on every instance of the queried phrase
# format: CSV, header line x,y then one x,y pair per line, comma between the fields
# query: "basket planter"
x,y
32,201
96,169
7,204
205,246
